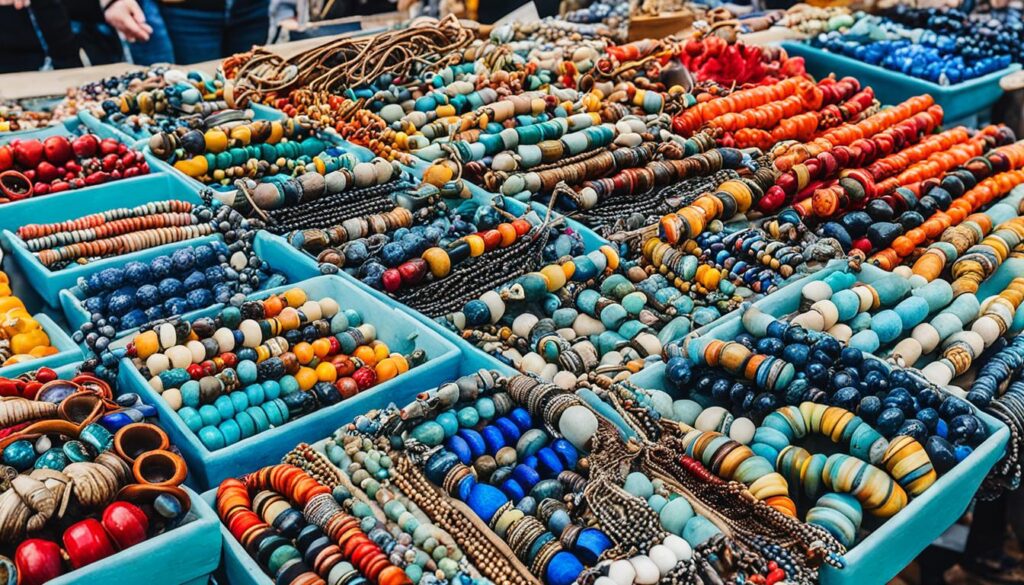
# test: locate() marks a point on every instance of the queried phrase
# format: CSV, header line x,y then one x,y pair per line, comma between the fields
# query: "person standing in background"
x,y
201,30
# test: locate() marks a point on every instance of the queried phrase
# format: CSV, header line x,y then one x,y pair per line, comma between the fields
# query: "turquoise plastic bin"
x,y
185,555
264,245
969,98
894,544
242,569
398,330
67,350
128,193
13,215
196,540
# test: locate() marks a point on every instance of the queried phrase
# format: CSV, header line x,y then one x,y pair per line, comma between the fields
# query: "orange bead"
x,y
303,351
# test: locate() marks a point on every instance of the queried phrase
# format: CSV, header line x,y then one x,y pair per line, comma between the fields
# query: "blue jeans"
x,y
202,35
158,48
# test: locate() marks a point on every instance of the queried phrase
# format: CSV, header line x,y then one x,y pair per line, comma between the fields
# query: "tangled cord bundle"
x,y
351,62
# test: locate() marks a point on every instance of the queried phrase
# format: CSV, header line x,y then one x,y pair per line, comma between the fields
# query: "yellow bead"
x,y
438,261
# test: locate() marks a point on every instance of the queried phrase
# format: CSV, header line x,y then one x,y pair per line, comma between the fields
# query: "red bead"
x,y
365,377
38,561
774,576
126,524
87,542
195,371
28,153
391,279
58,149
412,271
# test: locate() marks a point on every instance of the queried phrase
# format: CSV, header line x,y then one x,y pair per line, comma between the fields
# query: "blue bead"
x,y
567,452
508,430
525,475
458,445
485,500
563,569
521,417
591,544
548,463
492,438
476,444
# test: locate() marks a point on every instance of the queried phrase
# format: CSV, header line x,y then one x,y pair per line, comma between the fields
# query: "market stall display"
x,y
543,305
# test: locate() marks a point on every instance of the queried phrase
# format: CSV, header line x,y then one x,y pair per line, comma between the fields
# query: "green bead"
x,y
429,433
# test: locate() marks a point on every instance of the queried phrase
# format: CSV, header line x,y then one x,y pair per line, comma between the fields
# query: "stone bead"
x,y
578,424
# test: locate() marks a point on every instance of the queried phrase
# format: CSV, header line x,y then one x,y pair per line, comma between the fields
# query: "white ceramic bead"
x,y
565,380
927,336
987,328
585,325
679,547
312,310
567,334
578,424
662,557
816,291
811,320
198,351
742,430
612,358
179,356
533,363
646,571
903,271
828,311
865,296
938,372
622,572
714,418
157,363
329,307
522,324
497,306
908,350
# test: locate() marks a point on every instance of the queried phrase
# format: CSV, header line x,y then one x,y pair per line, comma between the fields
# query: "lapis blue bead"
x,y
508,429
439,464
548,463
485,500
461,449
526,475
476,444
567,452
521,418
591,544
511,488
493,438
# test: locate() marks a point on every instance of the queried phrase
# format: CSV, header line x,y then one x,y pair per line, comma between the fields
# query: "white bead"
x,y
681,548
225,339
811,320
312,310
604,581
157,384
867,300
829,312
532,363
927,336
548,372
329,307
504,162
976,341
662,557
903,271
157,363
180,356
167,335
173,398
522,325
816,291
842,332
198,351
612,358
568,333
649,342
578,424
908,350
565,380
987,328
714,418
622,572
742,430
938,372
497,306
646,571
585,325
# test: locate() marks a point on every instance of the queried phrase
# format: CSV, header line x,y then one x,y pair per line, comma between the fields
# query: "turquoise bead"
x,y
675,515
20,455
429,433
449,422
485,406
912,311
467,417
887,325
639,485
699,530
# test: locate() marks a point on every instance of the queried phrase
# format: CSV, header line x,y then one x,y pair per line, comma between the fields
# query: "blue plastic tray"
x,y
395,328
264,245
962,100
877,559
13,215
197,540
67,350
242,569
128,193
193,551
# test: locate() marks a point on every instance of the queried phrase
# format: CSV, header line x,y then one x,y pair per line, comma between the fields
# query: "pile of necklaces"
x,y
538,306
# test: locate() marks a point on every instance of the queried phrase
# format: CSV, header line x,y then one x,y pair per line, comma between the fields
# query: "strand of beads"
x,y
788,155
350,554
982,260
506,509
264,364
387,515
276,193
958,240
901,246
804,175
700,114
997,388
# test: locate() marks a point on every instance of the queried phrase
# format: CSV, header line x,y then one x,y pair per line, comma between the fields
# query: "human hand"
x,y
17,4
127,17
